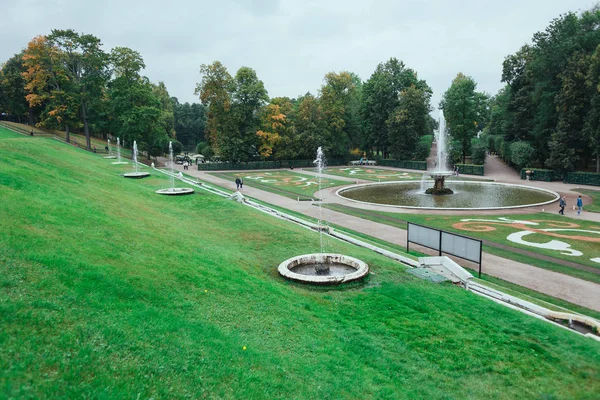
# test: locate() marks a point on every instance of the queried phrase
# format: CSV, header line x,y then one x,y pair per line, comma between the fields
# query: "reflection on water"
x,y
466,195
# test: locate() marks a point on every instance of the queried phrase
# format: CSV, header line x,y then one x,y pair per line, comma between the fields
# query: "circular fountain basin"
x,y
136,175
341,269
175,191
467,195
113,157
120,162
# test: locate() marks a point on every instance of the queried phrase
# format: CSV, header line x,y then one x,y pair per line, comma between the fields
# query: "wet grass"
x,y
108,290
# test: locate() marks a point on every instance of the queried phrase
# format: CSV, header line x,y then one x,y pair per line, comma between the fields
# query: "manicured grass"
x,y
285,183
595,195
111,291
371,173
7,134
499,231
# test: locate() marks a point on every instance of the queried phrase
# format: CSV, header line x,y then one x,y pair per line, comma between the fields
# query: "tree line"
x,y
548,114
386,115
66,81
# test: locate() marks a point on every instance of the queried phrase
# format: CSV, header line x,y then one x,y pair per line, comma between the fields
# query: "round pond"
x,y
467,195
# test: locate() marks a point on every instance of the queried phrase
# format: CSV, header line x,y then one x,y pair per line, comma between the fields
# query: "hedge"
x,y
584,178
266,164
420,165
470,169
547,175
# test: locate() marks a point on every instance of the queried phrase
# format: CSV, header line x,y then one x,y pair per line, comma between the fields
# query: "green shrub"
x,y
584,178
520,153
479,152
538,174
419,165
498,142
471,169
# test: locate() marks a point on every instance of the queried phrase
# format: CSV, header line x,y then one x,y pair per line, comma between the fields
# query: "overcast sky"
x,y
293,44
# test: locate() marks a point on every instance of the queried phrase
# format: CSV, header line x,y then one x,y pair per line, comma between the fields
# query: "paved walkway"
x,y
574,290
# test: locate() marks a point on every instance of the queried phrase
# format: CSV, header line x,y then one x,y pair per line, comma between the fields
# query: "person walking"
x,y
241,183
185,165
237,183
579,205
562,203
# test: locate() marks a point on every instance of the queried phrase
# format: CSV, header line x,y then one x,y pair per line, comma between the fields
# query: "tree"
x,y
310,125
380,98
12,89
591,130
460,107
48,87
80,58
520,153
215,93
408,123
190,122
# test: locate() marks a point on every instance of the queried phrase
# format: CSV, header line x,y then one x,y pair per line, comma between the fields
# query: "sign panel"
x,y
460,246
424,236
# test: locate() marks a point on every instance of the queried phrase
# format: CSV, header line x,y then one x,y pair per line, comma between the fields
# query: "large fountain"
x,y
173,191
433,193
136,173
323,268
440,172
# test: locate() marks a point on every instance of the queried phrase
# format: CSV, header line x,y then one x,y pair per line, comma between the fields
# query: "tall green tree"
x,y
460,107
12,89
408,123
381,97
85,66
215,92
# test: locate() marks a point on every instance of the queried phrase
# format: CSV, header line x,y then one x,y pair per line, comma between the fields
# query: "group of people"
x,y
239,183
562,203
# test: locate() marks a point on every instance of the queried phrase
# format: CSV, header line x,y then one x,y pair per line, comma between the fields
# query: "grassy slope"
x,y
108,290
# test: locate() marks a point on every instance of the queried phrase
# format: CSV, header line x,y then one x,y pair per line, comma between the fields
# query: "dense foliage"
x,y
552,96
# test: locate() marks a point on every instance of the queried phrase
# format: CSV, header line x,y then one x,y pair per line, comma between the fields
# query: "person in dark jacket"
x,y
237,183
562,203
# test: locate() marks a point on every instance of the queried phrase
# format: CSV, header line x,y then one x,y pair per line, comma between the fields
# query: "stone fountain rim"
x,y
556,196
362,269
136,174
175,191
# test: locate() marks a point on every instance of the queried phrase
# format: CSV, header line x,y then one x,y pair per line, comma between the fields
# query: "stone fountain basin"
x,y
175,191
357,268
111,157
136,175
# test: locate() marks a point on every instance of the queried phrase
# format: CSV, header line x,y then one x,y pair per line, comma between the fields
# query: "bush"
x,y
505,150
584,178
498,142
538,174
454,153
479,152
419,165
470,169
520,153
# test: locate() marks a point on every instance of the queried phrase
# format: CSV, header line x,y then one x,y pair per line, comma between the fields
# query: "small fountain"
x,y
173,191
110,154
440,173
137,173
323,268
119,154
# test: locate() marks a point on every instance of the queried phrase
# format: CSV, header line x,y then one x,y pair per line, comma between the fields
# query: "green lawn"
x,y
108,290
8,134
499,231
370,173
286,183
595,195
